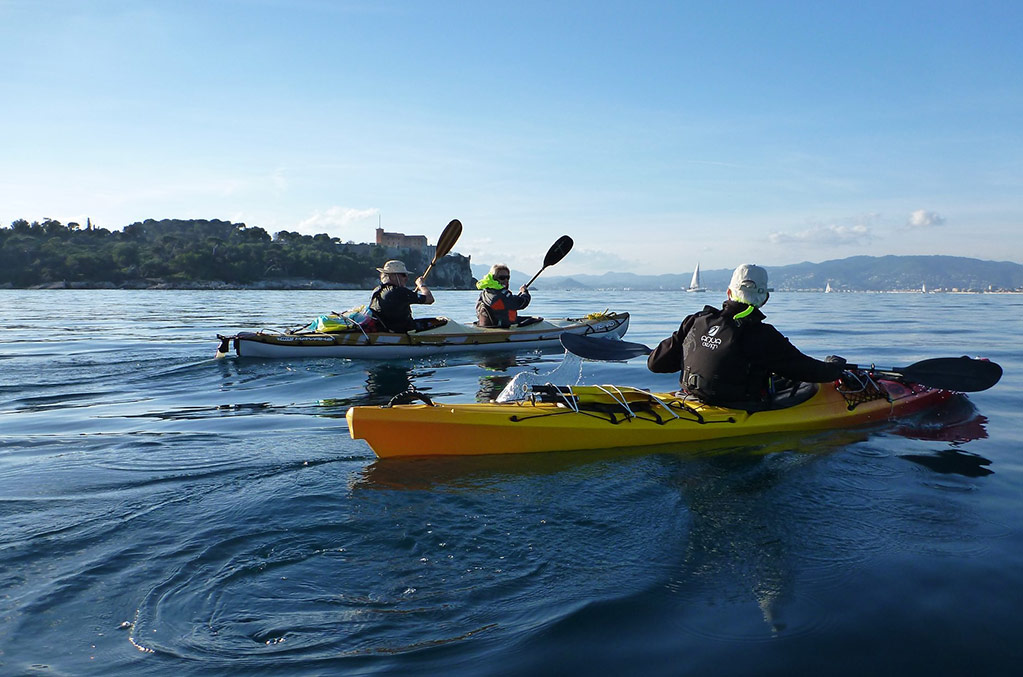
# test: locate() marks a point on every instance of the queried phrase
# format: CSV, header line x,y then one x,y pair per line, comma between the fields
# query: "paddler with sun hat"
x,y
391,302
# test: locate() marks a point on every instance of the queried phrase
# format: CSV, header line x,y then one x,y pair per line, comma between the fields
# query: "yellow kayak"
x,y
568,418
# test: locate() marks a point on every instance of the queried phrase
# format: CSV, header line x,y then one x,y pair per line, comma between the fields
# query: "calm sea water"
x,y
162,512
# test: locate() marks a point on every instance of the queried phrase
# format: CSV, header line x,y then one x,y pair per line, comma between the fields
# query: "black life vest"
x,y
714,367
390,309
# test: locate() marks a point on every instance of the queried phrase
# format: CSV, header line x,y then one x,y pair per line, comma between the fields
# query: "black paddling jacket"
x,y
499,307
726,360
392,306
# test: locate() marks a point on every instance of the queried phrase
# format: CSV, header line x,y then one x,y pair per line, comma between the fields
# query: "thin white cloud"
x,y
832,234
922,218
336,222
598,261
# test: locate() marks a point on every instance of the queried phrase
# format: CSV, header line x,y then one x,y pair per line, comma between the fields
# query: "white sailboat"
x,y
694,285
827,289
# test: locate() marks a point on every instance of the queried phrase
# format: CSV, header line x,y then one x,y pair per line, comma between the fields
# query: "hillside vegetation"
x,y
175,252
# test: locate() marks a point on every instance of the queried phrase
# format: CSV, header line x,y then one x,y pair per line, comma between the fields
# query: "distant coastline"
x,y
215,255
215,285
326,285
909,274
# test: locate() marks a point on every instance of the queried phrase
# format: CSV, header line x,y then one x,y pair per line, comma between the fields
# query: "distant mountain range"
x,y
856,273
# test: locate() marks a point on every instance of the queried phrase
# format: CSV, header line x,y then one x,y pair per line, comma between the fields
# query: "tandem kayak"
x,y
448,337
570,418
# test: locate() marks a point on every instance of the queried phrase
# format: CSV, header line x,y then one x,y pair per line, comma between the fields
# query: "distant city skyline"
x,y
656,134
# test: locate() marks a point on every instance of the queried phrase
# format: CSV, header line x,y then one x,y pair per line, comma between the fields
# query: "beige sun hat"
x,y
749,284
394,267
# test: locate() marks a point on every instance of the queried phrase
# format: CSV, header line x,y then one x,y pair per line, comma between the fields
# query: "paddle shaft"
x,y
534,277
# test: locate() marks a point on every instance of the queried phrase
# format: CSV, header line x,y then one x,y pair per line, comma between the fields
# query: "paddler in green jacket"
x,y
729,356
497,306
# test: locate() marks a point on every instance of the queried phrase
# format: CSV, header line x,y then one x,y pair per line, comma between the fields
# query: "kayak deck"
x,y
598,417
448,337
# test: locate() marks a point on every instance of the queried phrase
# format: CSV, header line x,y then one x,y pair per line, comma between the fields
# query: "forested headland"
x,y
198,252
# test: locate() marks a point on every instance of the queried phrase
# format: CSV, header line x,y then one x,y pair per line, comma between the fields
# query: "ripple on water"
x,y
317,592
185,453
764,614
452,562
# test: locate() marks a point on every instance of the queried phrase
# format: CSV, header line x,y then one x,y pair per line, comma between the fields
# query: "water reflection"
x,y
496,375
385,380
957,422
442,472
763,515
953,462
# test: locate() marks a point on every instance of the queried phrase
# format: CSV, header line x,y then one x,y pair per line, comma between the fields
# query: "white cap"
x,y
749,285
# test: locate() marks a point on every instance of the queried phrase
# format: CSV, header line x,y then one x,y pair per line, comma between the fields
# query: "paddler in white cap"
x,y
729,356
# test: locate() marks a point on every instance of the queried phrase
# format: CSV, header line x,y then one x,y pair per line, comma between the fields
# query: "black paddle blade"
x,y
554,254
448,238
558,250
603,349
963,374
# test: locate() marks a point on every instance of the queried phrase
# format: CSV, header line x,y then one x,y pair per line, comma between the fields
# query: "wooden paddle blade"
x,y
963,374
448,238
558,250
445,242
603,349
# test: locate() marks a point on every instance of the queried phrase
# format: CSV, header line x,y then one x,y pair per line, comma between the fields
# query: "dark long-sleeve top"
x,y
392,306
766,349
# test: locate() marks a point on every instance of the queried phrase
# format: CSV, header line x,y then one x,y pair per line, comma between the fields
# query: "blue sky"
x,y
656,134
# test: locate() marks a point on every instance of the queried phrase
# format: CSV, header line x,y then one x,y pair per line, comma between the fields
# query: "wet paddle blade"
x,y
603,349
964,374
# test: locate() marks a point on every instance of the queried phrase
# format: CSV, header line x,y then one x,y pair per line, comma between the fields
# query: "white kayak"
x,y
448,337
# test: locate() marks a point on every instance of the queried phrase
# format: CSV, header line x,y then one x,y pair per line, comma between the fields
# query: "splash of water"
x,y
569,372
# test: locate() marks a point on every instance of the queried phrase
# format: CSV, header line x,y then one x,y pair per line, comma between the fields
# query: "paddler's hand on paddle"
x,y
837,363
424,291
523,290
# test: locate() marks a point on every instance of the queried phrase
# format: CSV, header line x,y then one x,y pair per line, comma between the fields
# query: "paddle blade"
x,y
963,374
604,349
558,250
445,242
448,238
